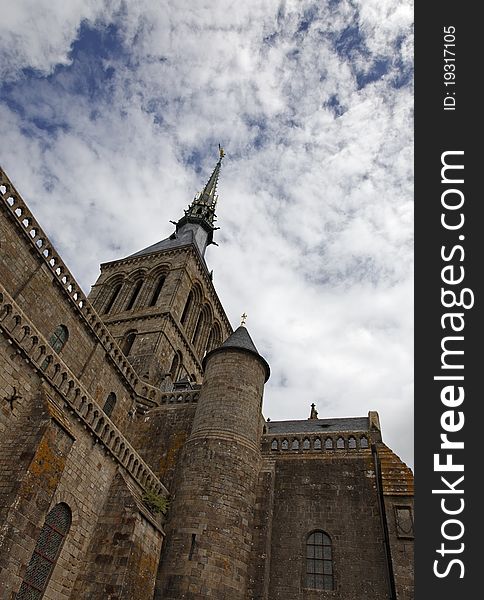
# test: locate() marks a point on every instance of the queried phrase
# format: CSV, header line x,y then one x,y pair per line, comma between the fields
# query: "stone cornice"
x,y
32,233
32,345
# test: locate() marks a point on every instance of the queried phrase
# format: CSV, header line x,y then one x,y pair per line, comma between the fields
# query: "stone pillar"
x,y
211,524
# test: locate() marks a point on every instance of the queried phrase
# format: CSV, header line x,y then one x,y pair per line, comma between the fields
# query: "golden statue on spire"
x,y
221,151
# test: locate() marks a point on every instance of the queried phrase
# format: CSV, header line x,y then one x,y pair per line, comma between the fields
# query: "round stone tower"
x,y
209,533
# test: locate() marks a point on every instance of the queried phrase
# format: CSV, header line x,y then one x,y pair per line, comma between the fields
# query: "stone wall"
x,y
337,495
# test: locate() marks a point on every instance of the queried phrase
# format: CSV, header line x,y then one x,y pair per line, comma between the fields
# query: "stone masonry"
x,y
135,462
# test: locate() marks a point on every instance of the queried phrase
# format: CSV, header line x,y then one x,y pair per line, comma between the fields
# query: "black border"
x,y
436,131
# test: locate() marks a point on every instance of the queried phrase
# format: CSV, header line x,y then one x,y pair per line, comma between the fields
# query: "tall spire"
x,y
204,203
197,224
200,215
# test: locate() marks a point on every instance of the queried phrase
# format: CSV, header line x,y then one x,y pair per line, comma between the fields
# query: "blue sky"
x,y
111,113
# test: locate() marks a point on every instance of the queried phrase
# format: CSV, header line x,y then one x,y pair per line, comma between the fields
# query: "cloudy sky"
x,y
111,113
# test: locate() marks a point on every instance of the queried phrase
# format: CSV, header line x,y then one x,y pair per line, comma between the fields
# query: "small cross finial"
x,y
314,412
243,318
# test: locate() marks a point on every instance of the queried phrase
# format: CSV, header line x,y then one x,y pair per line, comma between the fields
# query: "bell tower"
x,y
160,303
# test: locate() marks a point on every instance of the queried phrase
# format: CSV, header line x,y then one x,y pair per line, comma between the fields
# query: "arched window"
x,y
317,444
134,294
110,404
328,444
306,444
128,342
46,553
319,561
214,337
186,310
112,299
156,293
295,445
274,445
363,441
198,328
340,443
351,442
285,444
59,338
175,363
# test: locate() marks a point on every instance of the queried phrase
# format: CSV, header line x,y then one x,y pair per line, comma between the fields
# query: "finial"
x,y
243,318
221,151
314,412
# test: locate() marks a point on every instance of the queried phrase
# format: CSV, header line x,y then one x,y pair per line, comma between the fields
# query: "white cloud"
x,y
315,194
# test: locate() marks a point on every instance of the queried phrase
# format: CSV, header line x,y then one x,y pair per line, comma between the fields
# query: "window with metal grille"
x,y
110,404
46,553
59,338
319,561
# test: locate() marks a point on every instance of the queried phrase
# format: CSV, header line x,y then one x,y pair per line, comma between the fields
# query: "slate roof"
x,y
182,239
240,339
318,425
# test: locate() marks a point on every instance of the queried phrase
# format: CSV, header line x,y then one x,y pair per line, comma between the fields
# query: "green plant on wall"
x,y
155,503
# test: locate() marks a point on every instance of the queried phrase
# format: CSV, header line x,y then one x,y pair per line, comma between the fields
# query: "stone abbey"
x,y
135,461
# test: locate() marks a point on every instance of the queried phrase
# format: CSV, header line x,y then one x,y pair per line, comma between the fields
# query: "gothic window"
x,y
363,441
214,337
46,553
274,445
112,299
306,444
156,293
319,561
351,443
186,310
317,444
110,404
128,342
285,444
198,327
134,294
328,444
175,363
340,443
295,445
59,338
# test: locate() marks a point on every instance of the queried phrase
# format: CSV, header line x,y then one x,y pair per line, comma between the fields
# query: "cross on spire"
x,y
243,318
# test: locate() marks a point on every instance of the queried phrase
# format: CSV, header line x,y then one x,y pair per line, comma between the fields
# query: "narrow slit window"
x,y
112,299
134,295
186,310
157,292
